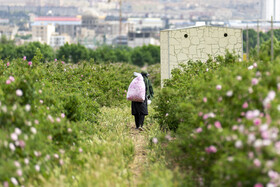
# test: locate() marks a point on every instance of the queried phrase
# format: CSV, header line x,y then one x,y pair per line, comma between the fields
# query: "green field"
x,y
213,124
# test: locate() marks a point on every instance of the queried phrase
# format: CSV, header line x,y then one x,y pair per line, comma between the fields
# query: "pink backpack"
x,y
136,89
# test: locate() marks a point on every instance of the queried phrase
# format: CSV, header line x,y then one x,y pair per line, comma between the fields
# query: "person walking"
x,y
140,109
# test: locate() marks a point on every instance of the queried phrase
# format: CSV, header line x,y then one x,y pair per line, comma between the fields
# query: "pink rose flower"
x,y
273,174
245,105
258,185
8,64
21,144
205,116
24,58
211,149
235,127
251,155
155,140
11,78
199,130
277,145
204,99
257,163
30,63
265,135
218,87
255,81
218,125
8,81
257,121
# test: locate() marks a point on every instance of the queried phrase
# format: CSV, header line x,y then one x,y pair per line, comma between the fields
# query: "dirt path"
x,y
140,157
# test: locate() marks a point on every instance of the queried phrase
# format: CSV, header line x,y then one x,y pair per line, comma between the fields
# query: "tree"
x,y
265,50
29,50
73,53
137,57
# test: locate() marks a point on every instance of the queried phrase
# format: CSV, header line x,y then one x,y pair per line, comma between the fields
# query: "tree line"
x,y
265,44
74,53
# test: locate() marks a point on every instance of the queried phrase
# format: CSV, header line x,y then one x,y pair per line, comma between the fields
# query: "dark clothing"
x,y
139,120
149,88
140,109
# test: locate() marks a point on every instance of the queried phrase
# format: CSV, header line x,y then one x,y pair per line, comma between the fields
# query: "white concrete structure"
x,y
43,33
8,31
196,43
140,23
138,42
270,8
59,40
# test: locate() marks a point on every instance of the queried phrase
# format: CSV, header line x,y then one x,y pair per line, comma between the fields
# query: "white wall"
x,y
142,41
201,42
59,40
42,33
271,8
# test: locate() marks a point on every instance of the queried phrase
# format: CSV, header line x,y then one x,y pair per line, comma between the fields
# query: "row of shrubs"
x,y
225,116
75,53
46,109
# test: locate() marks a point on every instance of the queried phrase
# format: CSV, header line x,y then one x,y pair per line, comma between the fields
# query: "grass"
x,y
118,155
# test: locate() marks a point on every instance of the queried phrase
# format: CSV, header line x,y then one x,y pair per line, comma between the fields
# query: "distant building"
x,y
44,3
40,10
89,21
34,3
64,25
141,38
11,2
8,31
112,28
42,33
140,23
4,21
120,40
270,8
57,40
55,3
86,33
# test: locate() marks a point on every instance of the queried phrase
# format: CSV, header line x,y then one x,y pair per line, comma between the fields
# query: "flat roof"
x,y
197,27
53,19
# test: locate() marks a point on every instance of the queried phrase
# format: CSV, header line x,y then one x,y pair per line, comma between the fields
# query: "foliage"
x,y
225,117
264,36
24,37
8,50
75,53
47,110
154,71
109,54
145,55
29,50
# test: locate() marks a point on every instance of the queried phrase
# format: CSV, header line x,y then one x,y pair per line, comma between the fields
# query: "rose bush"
x,y
225,119
46,109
